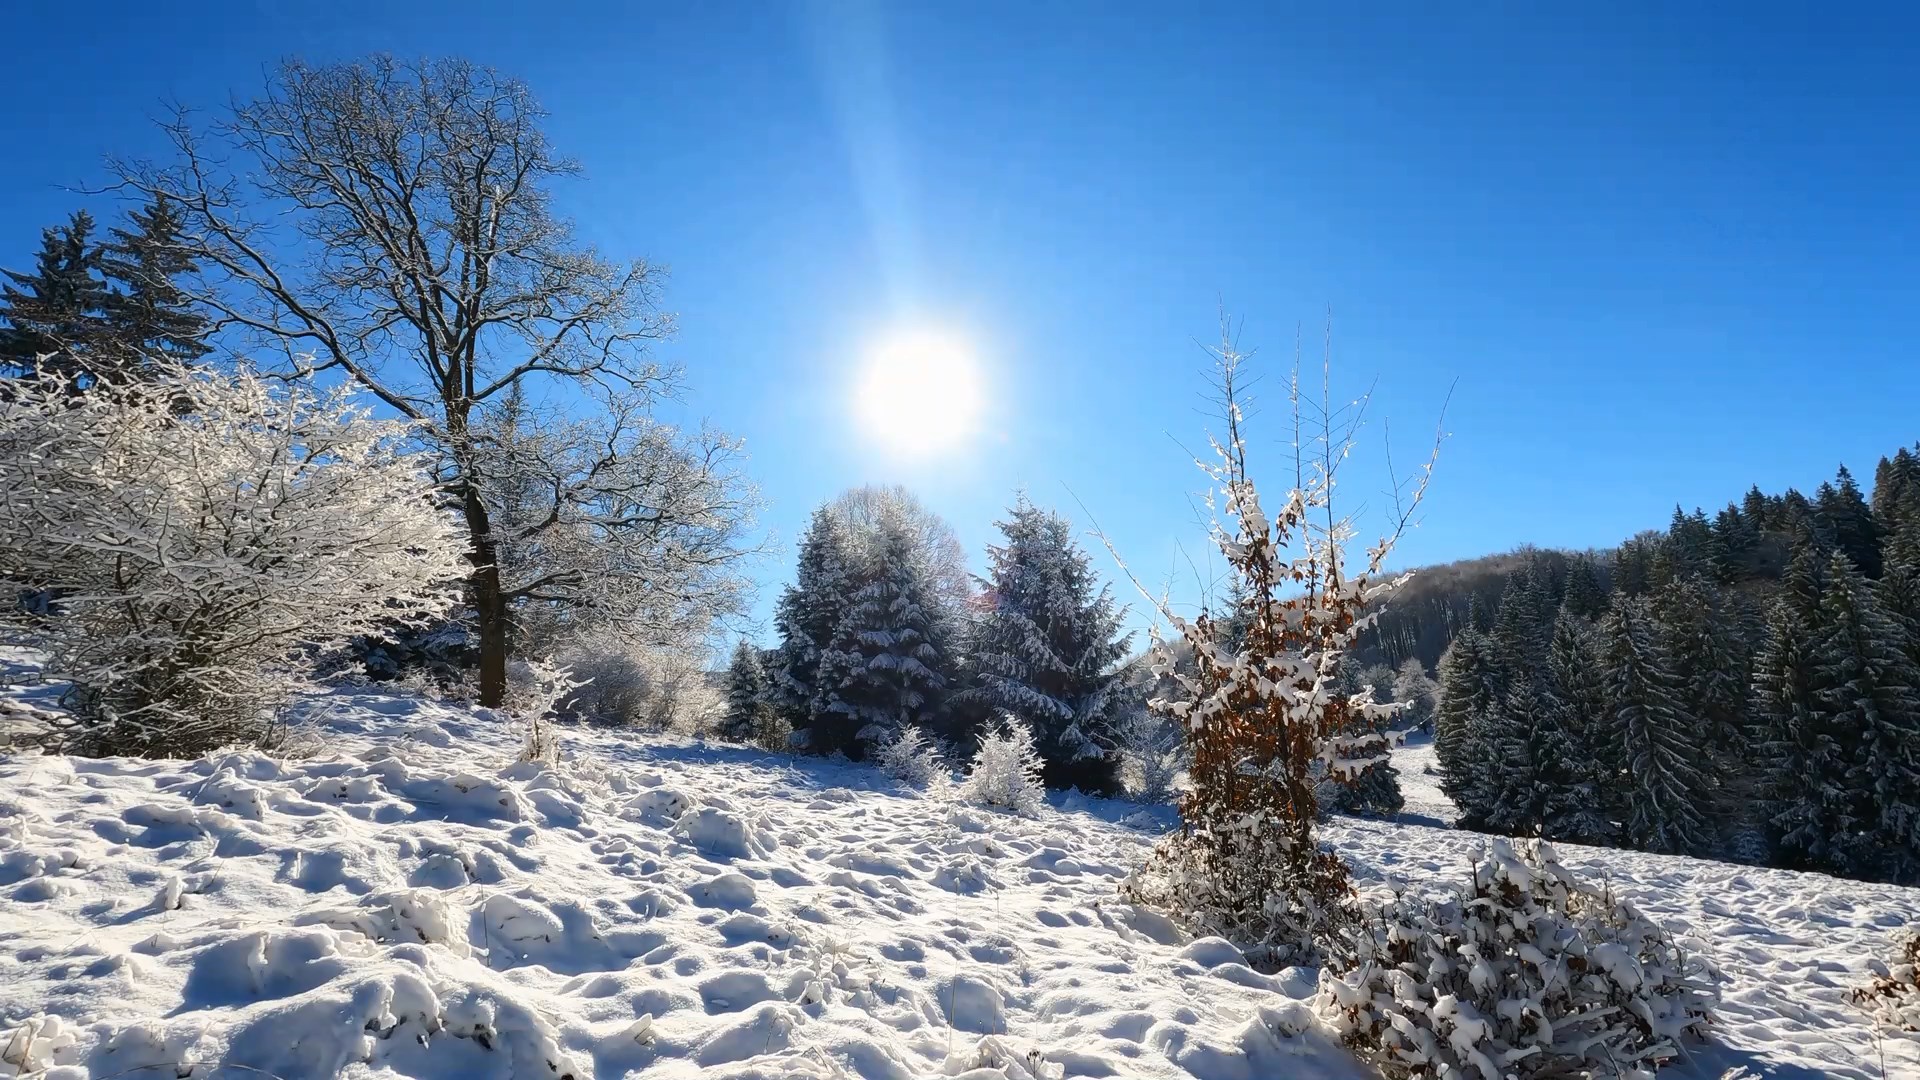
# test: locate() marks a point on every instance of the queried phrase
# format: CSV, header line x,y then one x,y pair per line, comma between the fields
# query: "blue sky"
x,y
1666,252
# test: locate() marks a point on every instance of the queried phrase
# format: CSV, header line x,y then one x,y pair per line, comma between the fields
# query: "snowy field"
x,y
410,902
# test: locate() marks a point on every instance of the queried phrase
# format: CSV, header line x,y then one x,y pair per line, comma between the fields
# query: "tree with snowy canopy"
x,y
1265,721
1414,688
1579,703
1700,638
1469,695
1896,491
1665,794
203,534
807,617
1585,596
1845,517
888,664
1534,768
1048,648
1869,698
749,713
1803,766
1898,589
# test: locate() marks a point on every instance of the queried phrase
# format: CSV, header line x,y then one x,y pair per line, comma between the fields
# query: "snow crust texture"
x,y
414,903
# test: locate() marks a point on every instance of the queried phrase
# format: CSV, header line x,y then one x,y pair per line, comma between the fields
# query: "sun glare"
x,y
920,393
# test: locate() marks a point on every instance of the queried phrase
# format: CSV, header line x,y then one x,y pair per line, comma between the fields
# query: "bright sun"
x,y
920,393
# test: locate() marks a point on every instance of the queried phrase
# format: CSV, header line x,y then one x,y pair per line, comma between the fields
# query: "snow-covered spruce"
x,y
1049,648
1893,997
1530,973
1006,770
196,533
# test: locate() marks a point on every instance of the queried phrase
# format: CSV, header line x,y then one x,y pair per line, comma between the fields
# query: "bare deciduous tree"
x,y
391,221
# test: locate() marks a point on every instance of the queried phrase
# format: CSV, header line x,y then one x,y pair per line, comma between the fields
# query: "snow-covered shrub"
x,y
1006,770
535,692
1373,792
913,759
656,688
1152,755
1893,997
201,535
1530,973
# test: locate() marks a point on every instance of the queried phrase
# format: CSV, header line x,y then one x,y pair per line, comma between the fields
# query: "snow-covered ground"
x,y
410,902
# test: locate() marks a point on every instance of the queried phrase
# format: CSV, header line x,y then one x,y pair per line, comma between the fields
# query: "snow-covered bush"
x,y
1006,770
535,693
1530,973
1152,755
202,535
656,688
1893,997
913,759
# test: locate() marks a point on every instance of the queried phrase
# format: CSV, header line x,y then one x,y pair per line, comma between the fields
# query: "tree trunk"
x,y
489,601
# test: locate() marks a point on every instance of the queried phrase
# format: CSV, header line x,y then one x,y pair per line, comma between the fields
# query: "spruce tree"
x,y
1519,638
749,713
1845,518
1664,789
1578,698
1758,509
1801,767
1735,537
1689,546
1700,641
1048,648
54,314
808,615
151,316
1898,589
1536,771
1469,696
1896,492
1585,597
1869,696
888,665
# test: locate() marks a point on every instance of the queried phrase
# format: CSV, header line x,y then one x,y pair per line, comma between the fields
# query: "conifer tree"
x,y
888,665
1896,492
1049,647
55,312
1699,639
1535,771
749,712
1519,638
1845,518
1898,589
150,315
1584,595
1578,698
1689,546
1660,741
1758,509
808,616
1869,696
1633,567
1469,695
1734,538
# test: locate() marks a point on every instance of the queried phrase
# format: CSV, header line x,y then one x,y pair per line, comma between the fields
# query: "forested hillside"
x,y
1745,685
